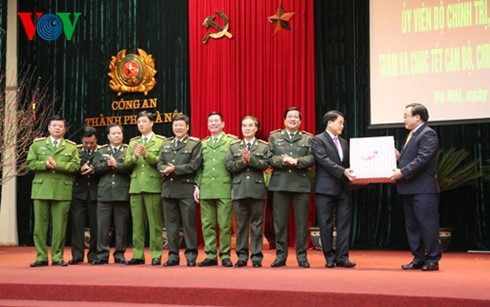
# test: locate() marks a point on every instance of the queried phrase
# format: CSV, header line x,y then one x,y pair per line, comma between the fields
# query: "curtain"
x,y
256,72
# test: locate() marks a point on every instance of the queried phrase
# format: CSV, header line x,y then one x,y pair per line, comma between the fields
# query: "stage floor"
x,y
463,278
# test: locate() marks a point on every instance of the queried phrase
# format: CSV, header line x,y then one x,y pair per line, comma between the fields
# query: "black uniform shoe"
x,y
156,261
135,261
240,264
171,263
278,263
208,262
75,261
227,263
59,263
256,264
38,264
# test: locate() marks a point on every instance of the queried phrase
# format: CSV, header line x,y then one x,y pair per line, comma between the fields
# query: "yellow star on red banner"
x,y
281,19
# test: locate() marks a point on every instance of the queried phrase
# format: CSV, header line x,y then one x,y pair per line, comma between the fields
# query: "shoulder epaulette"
x,y
134,138
103,146
160,136
263,142
125,145
234,142
233,136
193,138
170,138
39,139
306,132
275,131
70,142
78,145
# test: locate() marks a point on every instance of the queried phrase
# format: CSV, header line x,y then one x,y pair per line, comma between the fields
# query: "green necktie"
x,y
55,144
145,140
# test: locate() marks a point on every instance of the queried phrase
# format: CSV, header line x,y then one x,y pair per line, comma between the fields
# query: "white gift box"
x,y
372,159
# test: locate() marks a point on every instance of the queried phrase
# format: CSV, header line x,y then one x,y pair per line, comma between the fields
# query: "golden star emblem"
x,y
281,19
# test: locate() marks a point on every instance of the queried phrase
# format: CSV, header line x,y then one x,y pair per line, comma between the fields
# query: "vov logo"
x,y
49,26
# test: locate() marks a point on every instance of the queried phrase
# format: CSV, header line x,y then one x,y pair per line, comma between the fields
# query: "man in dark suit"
x,y
417,183
112,196
84,203
179,159
291,158
332,190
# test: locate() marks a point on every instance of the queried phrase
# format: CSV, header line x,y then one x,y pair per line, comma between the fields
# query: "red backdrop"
x,y
256,72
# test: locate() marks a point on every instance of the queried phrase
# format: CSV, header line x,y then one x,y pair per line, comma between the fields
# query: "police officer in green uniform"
x,y
54,160
247,160
291,159
112,196
213,191
145,189
84,202
178,162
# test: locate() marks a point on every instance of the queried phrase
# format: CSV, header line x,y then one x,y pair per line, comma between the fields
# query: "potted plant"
x,y
453,172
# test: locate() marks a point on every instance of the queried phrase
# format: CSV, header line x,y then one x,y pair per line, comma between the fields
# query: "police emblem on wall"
x,y
132,73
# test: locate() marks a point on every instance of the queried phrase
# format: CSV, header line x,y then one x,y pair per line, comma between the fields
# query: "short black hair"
x,y
293,109
56,118
216,113
88,131
419,109
150,115
331,116
254,119
110,126
181,117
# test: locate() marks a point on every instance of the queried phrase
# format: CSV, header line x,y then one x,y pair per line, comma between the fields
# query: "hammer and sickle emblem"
x,y
222,31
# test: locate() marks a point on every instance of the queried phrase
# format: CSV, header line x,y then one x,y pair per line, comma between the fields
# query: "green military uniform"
x,y
249,193
52,191
177,193
144,197
113,200
83,205
290,183
214,183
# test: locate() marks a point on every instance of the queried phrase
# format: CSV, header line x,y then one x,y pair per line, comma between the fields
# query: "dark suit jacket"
x,y
418,161
329,169
187,159
85,185
248,179
113,182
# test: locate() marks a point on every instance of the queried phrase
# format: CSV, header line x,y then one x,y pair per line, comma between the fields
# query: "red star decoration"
x,y
281,19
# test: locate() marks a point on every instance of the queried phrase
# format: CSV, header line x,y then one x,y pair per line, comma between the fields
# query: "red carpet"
x,y
377,280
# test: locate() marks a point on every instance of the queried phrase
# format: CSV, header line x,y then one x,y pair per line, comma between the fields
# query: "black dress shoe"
x,y
75,261
208,262
256,264
433,266
240,263
171,263
191,263
99,261
226,263
303,264
330,265
156,261
135,261
59,263
278,263
38,264
346,264
413,266
120,261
